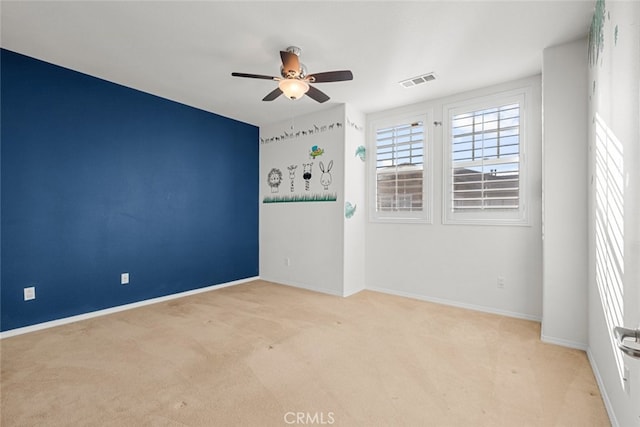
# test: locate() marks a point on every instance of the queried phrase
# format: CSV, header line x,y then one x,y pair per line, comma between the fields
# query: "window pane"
x,y
485,148
399,171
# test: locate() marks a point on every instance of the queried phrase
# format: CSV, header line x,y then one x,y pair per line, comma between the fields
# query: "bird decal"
x,y
316,151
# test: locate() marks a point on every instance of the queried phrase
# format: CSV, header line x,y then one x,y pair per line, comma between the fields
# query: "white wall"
x,y
564,184
355,191
308,234
614,205
460,264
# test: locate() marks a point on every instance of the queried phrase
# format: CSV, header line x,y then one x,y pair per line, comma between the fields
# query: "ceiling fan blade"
x,y
317,95
254,76
290,63
273,95
330,76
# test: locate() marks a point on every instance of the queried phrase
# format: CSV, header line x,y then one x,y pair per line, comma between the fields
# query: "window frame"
x,y
519,216
385,121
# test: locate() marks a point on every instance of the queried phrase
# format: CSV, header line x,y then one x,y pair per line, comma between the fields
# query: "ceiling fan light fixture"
x,y
293,88
294,82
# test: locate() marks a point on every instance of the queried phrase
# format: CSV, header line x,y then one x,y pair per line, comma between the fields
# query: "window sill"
x,y
400,220
502,222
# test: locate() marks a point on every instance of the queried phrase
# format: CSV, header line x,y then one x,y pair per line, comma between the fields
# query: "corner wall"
x,y
99,179
355,209
564,192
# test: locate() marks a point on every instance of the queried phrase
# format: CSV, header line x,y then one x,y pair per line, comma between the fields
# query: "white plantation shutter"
x,y
485,155
486,171
400,153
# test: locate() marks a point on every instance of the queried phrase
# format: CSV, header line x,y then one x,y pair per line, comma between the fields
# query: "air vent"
x,y
415,81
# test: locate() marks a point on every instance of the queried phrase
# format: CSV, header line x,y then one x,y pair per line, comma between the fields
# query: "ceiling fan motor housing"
x,y
301,73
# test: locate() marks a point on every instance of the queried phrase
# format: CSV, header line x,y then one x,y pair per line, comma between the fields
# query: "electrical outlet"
x,y
124,279
29,293
287,261
500,282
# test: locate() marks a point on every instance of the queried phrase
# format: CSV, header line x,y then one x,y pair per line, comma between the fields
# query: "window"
x,y
485,162
401,159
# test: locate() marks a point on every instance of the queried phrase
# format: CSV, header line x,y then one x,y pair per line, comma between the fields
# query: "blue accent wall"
x,y
99,179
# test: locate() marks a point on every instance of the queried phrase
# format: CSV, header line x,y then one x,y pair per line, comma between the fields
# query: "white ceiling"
x,y
186,51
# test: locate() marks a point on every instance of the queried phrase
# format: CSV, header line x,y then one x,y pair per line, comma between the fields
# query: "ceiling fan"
x,y
294,83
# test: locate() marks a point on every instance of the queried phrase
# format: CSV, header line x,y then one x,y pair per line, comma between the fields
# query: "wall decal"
x,y
361,152
349,210
292,176
315,152
325,178
307,174
315,197
274,178
294,134
354,125
596,35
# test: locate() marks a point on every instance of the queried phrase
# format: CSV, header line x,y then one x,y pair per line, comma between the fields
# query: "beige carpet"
x,y
261,354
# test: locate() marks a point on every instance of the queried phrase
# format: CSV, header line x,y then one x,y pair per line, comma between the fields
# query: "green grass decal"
x,y
297,198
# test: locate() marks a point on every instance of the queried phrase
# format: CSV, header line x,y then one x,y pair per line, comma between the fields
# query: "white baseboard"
x,y
563,342
91,315
457,304
352,292
302,286
603,391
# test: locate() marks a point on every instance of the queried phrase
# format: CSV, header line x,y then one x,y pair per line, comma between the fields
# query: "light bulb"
x,y
293,88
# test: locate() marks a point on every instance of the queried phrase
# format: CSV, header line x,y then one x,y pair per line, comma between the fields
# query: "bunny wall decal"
x,y
325,178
